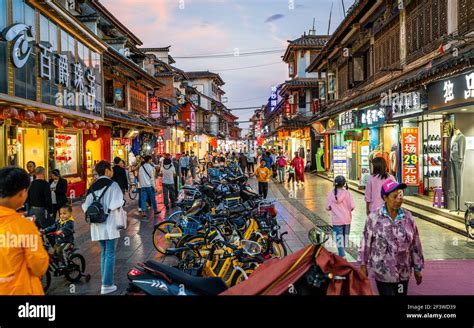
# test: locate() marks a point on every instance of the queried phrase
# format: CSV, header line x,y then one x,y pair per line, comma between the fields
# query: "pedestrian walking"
x,y
341,204
184,165
274,166
39,199
391,246
193,165
251,162
281,166
58,186
108,193
298,164
374,184
21,266
243,162
177,175
291,174
266,157
120,175
169,193
146,176
263,174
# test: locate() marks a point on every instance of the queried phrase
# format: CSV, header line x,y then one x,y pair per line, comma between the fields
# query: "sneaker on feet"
x,y
108,289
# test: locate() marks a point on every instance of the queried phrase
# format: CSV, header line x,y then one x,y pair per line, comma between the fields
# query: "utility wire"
x,y
230,55
239,68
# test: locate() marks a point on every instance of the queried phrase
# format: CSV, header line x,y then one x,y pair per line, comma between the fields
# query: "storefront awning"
x,y
114,115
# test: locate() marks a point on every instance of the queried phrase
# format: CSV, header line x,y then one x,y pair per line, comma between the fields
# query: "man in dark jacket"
x,y
120,175
39,199
58,187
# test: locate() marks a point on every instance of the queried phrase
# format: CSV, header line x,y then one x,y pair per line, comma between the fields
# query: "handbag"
x,y
121,219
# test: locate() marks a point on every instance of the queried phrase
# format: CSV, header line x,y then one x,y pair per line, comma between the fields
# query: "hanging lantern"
x,y
40,118
79,124
96,126
26,115
60,122
8,113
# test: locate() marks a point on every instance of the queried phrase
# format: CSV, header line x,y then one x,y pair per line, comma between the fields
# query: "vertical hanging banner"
x,y
410,156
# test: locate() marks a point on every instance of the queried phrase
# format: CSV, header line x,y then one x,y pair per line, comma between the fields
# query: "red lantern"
x,y
60,122
96,126
40,118
9,112
27,115
89,126
79,124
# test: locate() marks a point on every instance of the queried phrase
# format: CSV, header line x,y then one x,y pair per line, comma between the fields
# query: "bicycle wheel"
x,y
468,219
76,267
238,276
160,241
46,281
176,216
132,192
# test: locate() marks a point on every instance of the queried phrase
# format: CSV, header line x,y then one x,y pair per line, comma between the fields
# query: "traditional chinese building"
x,y
51,87
398,82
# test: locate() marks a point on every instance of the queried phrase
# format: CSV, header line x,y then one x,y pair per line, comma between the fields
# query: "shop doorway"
x,y
93,156
31,145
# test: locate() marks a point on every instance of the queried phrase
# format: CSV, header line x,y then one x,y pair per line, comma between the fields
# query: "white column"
x,y
452,16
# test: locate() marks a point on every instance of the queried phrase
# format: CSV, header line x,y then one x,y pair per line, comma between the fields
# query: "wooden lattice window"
x,y
465,16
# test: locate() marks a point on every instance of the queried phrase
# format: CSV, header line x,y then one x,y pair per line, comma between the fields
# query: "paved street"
x,y
299,209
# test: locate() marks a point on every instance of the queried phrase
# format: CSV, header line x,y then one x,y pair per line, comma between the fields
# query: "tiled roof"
x,y
309,83
204,74
129,118
310,40
155,49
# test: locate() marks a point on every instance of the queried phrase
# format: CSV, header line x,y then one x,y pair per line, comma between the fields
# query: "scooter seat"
x,y
206,286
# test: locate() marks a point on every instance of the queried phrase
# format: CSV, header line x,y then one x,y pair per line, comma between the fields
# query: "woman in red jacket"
x,y
298,164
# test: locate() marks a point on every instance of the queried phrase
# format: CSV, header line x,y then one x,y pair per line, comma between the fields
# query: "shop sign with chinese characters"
x,y
81,78
347,120
372,116
273,100
410,156
456,90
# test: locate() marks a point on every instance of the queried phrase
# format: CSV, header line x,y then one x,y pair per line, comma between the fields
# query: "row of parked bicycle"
x,y
223,231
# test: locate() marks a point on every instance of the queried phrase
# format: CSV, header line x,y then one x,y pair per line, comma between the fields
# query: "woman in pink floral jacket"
x,y
391,246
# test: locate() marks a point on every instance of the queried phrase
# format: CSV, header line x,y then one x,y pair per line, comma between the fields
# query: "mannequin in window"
x,y
457,151
394,161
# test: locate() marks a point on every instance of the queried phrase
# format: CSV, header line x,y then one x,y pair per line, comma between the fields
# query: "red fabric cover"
x,y
270,271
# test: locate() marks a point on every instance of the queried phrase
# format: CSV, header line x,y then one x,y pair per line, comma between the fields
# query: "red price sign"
x,y
410,156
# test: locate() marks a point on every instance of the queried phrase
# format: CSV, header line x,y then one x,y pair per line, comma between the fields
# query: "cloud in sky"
x,y
195,27
273,18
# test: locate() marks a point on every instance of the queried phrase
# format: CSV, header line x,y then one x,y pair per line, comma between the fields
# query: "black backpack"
x,y
95,212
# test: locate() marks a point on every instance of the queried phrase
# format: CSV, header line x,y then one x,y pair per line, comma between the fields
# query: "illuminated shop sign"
x,y
456,90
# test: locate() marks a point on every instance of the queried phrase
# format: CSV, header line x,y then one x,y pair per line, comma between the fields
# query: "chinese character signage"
x,y
347,120
273,100
372,116
410,156
340,160
400,104
154,107
456,90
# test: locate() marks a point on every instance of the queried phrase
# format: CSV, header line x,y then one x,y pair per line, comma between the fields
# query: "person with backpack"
x,y
341,204
281,165
104,212
146,176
